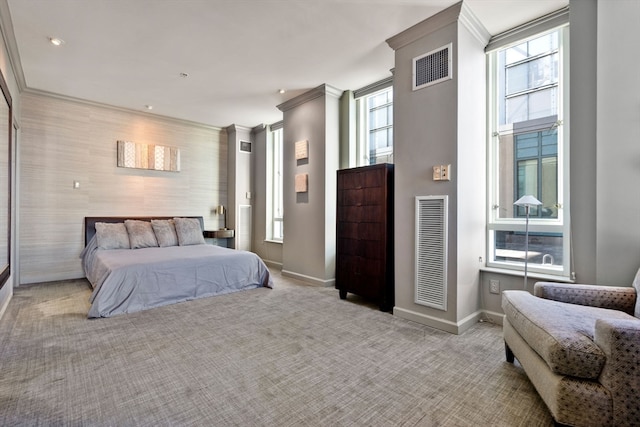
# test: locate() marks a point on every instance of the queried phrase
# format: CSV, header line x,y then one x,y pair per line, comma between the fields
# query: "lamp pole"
x,y
526,202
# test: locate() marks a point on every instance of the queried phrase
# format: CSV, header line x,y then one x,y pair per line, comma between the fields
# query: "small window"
x,y
375,130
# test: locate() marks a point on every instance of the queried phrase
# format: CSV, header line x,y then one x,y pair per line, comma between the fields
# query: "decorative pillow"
x,y
165,232
189,231
112,236
636,285
141,234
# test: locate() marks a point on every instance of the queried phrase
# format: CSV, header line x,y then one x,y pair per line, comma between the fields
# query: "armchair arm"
x,y
620,342
612,297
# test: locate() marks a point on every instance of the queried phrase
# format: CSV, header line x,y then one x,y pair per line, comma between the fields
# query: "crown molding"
x,y
317,92
426,27
238,128
471,22
11,45
167,119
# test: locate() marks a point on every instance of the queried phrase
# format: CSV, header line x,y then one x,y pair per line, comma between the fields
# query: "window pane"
x,y
527,183
543,103
532,74
379,118
516,53
544,248
544,44
549,197
379,139
379,99
517,109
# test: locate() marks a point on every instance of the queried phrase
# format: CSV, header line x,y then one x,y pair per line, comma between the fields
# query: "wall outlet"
x,y
494,286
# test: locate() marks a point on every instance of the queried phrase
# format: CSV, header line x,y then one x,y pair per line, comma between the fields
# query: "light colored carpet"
x,y
292,356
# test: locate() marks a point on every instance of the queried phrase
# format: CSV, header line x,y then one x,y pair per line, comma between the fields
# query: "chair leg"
x,y
508,353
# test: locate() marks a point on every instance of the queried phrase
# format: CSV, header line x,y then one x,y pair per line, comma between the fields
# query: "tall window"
x,y
275,212
528,154
374,105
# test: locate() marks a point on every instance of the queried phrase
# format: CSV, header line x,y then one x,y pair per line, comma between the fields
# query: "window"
x,y
275,212
374,106
380,126
528,152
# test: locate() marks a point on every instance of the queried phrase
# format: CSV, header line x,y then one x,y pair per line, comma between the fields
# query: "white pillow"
x,y
189,231
141,234
165,232
112,235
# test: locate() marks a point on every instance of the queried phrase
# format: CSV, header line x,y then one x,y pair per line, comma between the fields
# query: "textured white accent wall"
x,y
63,141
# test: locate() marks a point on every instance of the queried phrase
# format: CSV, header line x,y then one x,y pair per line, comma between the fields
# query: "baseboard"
x,y
309,279
6,303
493,317
273,264
437,323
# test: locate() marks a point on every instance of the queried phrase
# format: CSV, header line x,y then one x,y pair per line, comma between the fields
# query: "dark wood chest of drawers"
x,y
364,252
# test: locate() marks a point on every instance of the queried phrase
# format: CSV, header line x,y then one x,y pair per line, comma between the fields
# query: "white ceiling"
x,y
237,53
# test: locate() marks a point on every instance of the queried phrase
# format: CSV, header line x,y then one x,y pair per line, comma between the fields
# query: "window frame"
x,y
363,142
275,191
561,224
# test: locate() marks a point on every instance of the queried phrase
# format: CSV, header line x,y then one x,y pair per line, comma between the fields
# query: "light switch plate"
x,y
437,173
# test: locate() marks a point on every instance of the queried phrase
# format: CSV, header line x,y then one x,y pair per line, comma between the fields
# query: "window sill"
x,y
535,275
273,241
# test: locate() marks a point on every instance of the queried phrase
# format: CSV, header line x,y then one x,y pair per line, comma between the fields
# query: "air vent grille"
x,y
431,251
433,67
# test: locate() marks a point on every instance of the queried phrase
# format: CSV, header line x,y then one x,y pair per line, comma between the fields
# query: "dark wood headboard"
x,y
90,222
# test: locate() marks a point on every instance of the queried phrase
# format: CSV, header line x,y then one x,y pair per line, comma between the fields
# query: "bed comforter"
x,y
130,280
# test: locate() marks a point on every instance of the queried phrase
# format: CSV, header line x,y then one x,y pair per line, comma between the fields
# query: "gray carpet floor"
x,y
293,356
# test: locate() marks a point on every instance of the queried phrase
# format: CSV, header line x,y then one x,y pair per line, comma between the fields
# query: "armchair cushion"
x,y
636,286
563,338
620,341
612,297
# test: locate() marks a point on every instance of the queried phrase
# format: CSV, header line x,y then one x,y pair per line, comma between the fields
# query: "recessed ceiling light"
x,y
56,41
149,107
281,91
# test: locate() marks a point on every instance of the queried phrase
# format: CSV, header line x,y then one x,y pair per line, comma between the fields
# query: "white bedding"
x,y
130,280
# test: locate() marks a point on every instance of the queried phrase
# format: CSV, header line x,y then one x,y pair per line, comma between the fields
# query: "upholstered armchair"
x,y
580,347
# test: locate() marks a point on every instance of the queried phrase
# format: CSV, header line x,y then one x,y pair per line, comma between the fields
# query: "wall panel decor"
x,y
147,156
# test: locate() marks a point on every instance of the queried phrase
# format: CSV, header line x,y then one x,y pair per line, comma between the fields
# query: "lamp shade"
x,y
527,201
220,209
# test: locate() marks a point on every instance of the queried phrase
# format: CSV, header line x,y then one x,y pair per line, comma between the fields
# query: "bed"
x,y
138,263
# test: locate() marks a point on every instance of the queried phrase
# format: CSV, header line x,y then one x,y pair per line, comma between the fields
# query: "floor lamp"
x,y
527,202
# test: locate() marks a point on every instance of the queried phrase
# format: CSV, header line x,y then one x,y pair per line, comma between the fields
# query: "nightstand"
x,y
220,234
219,237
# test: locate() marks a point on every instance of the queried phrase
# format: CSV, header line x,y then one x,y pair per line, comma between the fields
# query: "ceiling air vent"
x,y
433,67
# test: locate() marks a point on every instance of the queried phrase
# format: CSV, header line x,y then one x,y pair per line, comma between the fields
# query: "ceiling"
x,y
237,54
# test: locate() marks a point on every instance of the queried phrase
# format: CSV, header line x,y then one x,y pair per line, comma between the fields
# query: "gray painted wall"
x,y
441,124
270,252
308,251
618,142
